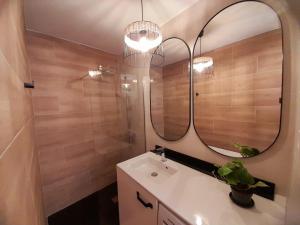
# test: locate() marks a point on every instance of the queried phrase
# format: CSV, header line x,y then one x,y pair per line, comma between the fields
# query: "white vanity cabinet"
x,y
174,196
136,205
166,217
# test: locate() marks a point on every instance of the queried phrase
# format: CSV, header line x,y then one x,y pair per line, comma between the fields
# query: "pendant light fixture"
x,y
140,38
203,64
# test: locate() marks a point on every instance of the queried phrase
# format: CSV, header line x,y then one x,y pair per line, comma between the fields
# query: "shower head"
x,y
101,71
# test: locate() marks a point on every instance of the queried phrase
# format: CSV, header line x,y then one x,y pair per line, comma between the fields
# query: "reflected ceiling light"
x,y
125,82
140,37
199,220
126,85
203,63
94,73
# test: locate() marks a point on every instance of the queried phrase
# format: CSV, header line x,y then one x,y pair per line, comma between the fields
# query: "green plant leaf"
x,y
234,173
237,163
224,171
259,184
232,180
236,145
245,177
246,151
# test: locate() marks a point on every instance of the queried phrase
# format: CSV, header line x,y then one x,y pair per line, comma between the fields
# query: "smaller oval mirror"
x,y
170,90
237,80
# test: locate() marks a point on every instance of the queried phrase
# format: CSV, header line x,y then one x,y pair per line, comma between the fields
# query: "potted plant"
x,y
241,181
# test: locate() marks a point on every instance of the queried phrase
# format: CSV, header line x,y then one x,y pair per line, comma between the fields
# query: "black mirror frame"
x,y
282,80
190,88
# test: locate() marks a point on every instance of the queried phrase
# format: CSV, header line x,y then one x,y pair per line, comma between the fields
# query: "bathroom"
x,y
140,112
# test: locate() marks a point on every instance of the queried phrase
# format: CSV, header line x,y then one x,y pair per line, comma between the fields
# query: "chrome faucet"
x,y
162,154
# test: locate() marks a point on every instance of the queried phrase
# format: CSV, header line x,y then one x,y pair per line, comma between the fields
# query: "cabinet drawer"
x,y
136,205
166,217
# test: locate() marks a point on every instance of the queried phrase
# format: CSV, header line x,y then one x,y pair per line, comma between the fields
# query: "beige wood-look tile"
x,y
270,79
15,104
46,104
268,114
52,164
12,44
243,82
80,134
16,207
245,65
79,187
39,48
62,129
79,157
55,196
267,97
243,98
271,61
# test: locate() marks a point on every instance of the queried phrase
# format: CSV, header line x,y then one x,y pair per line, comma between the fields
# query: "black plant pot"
x,y
242,197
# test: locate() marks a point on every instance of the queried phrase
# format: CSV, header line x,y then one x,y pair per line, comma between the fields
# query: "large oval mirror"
x,y
170,90
237,80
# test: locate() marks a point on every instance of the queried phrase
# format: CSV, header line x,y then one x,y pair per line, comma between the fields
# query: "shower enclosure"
x,y
84,125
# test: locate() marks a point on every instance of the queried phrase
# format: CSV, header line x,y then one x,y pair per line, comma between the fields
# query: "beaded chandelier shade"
x,y
203,64
140,38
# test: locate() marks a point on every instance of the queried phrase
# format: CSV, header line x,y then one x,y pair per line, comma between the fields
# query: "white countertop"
x,y
202,200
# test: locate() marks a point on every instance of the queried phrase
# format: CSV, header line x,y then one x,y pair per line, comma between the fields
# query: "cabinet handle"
x,y
146,205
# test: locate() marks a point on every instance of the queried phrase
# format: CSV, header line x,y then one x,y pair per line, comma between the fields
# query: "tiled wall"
x,y
80,123
240,102
20,188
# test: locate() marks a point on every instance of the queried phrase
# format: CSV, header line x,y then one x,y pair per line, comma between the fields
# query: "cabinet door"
x,y
165,217
136,205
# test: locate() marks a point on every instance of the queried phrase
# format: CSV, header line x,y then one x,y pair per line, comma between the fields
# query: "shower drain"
x,y
154,174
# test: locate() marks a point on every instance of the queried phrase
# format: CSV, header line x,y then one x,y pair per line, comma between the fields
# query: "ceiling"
x,y
97,23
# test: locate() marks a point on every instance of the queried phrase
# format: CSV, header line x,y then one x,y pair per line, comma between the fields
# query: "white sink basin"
x,y
153,169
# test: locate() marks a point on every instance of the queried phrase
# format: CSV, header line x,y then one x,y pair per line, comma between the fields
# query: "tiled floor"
x,y
99,208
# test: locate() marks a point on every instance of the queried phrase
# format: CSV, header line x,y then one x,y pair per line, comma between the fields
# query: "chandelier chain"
x,y
142,6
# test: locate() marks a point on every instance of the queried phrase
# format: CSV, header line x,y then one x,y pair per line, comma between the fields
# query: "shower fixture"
x,y
100,71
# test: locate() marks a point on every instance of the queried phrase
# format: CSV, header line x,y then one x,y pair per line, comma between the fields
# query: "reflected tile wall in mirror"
x,y
240,101
170,91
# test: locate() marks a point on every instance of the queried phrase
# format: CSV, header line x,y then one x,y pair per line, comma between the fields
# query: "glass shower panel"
x,y
132,95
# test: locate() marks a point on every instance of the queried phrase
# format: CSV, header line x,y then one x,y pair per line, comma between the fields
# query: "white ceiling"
x,y
97,23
